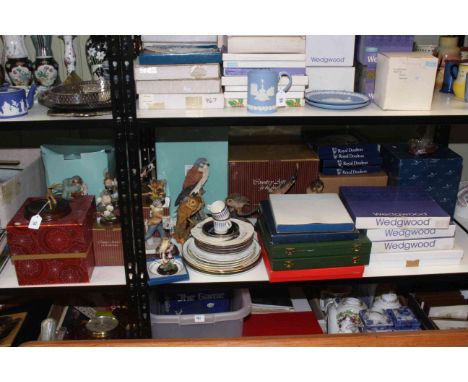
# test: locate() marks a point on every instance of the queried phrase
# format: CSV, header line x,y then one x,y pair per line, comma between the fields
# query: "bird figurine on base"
x,y
194,180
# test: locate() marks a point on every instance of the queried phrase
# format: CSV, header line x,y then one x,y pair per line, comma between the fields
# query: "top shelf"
x,y
445,108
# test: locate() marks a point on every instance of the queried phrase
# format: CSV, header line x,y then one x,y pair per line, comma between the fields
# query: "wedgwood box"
x,y
439,173
60,251
405,80
18,181
332,183
328,78
329,50
107,243
256,170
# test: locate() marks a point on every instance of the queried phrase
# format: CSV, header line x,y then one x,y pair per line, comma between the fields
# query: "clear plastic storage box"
x,y
228,324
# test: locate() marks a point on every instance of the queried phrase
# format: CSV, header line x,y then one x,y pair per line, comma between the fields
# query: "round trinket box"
x,y
102,327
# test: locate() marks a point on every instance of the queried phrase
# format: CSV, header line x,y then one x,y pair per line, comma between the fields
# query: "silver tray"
x,y
84,94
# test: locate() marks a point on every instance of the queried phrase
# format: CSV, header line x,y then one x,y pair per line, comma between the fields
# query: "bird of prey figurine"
x,y
195,180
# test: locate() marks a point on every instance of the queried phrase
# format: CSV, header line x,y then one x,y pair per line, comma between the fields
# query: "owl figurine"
x,y
194,180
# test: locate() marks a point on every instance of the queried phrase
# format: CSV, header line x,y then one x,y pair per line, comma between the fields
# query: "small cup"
x,y
219,210
221,226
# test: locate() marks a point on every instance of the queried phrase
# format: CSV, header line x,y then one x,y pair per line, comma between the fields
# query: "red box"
x,y
256,169
71,233
334,273
54,268
107,243
60,251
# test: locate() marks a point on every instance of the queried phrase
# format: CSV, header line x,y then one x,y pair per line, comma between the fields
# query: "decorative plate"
x,y
337,107
246,232
336,97
232,233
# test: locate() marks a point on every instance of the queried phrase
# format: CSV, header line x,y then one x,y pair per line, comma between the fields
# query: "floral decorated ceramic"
x,y
45,67
18,66
343,316
96,55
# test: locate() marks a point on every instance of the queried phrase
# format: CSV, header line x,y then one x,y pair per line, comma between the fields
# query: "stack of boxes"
x,y
278,53
438,174
179,72
329,61
367,48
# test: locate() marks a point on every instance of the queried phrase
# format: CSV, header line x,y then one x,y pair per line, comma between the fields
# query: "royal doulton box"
x,y
255,171
60,251
438,173
107,243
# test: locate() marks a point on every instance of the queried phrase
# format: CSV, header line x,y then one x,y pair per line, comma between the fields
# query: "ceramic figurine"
x,y
157,193
316,187
110,187
57,202
194,180
18,66
96,52
155,222
105,209
45,67
237,204
284,186
190,206
165,251
69,59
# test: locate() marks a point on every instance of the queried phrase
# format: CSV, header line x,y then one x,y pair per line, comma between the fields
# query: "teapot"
x,y
14,102
343,316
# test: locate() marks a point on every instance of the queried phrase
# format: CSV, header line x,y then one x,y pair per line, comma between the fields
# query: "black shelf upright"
x,y
127,142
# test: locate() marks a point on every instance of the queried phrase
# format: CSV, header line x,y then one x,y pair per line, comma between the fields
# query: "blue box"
x,y
439,174
174,159
91,162
196,303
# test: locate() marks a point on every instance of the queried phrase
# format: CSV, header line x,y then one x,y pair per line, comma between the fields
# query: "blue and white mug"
x,y
262,90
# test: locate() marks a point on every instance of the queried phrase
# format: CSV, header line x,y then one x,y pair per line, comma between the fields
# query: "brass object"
x,y
290,251
356,259
288,264
102,327
357,247
412,263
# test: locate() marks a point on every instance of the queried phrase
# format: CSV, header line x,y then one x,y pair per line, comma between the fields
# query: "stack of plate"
x,y
233,252
336,100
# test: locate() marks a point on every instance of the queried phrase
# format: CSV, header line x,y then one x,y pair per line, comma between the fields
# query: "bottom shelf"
x,y
421,338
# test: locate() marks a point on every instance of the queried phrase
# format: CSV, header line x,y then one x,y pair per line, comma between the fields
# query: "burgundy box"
x,y
107,243
256,169
60,251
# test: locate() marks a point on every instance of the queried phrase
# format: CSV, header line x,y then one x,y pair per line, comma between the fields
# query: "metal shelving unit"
x,y
135,132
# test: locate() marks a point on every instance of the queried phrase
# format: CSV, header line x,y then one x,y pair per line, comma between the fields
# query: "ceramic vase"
x,y
69,57
18,66
96,55
45,67
2,75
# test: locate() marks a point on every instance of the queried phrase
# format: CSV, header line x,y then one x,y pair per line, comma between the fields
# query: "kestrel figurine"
x,y
195,179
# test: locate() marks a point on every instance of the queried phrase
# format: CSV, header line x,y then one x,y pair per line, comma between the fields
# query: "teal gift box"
x,y
90,162
174,159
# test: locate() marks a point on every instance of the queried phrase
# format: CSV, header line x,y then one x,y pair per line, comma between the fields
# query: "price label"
x,y
280,98
35,222
199,318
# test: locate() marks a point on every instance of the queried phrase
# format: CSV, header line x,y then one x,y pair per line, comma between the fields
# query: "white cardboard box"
x,y
329,78
330,50
19,182
405,80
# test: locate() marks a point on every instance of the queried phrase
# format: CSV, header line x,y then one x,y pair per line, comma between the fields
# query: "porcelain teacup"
x,y
221,226
385,301
219,210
